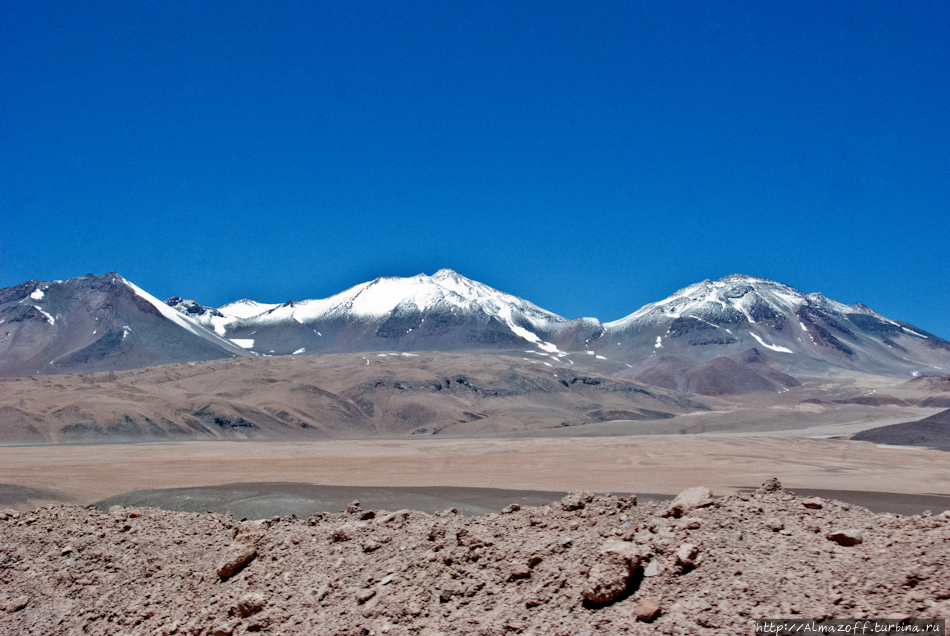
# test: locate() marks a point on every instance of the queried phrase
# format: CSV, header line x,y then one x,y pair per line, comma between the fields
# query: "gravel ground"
x,y
585,565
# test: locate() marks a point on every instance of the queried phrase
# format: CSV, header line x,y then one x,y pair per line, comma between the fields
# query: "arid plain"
x,y
726,443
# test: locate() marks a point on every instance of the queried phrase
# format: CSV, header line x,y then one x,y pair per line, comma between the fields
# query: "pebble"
x,y
647,609
845,537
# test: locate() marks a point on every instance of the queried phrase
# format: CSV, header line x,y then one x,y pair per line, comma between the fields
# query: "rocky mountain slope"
x,y
808,334
97,323
585,564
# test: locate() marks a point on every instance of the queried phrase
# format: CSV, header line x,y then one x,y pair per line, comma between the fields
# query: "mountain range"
x,y
762,330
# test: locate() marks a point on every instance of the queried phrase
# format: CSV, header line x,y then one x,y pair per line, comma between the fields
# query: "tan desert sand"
x,y
664,464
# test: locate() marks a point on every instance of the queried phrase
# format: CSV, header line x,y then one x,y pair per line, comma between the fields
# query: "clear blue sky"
x,y
588,156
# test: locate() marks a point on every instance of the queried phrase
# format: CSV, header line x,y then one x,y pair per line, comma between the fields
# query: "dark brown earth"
x,y
932,432
585,565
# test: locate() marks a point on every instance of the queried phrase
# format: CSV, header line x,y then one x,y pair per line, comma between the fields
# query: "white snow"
x,y
600,357
768,346
172,314
37,294
659,342
244,343
591,353
245,308
911,331
52,320
410,355
126,330
301,350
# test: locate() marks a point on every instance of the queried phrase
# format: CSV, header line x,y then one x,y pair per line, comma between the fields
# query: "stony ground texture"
x,y
584,565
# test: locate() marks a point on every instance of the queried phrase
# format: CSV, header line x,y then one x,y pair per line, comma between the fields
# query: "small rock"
x,y
507,510
222,629
576,500
354,507
653,568
367,515
386,580
135,514
238,555
17,604
897,617
392,516
647,609
815,503
370,546
364,595
249,604
609,576
845,537
565,542
689,499
67,550
687,555
775,524
515,627
445,596
771,486
519,572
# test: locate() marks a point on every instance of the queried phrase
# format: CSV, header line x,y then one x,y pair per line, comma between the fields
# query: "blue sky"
x,y
590,157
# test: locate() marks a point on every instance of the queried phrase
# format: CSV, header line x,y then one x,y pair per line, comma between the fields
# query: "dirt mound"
x,y
588,564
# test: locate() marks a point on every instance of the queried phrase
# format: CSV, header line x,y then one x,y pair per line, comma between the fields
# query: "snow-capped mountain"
x,y
802,332
97,323
107,323
445,311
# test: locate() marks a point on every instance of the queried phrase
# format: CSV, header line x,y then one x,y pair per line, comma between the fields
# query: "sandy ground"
x,y
663,464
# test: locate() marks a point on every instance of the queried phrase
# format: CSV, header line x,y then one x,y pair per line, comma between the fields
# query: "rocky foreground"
x,y
585,565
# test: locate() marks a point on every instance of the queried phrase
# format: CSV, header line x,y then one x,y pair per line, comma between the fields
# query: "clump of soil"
x,y
585,565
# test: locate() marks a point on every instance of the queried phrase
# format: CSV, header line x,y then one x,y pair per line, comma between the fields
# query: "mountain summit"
x,y
803,332
97,323
445,311
106,322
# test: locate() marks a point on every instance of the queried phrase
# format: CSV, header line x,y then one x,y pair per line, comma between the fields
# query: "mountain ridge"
x,y
802,333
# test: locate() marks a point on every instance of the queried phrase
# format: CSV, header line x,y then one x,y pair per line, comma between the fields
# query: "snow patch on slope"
x,y
768,346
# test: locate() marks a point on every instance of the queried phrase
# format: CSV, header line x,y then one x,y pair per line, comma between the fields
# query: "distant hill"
x,y
933,432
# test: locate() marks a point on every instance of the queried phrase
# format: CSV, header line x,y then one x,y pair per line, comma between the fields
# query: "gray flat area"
x,y
896,503
11,495
265,500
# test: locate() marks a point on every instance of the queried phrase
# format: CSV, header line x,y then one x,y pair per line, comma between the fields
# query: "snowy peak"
x,y
807,331
446,290
244,308
94,323
732,299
